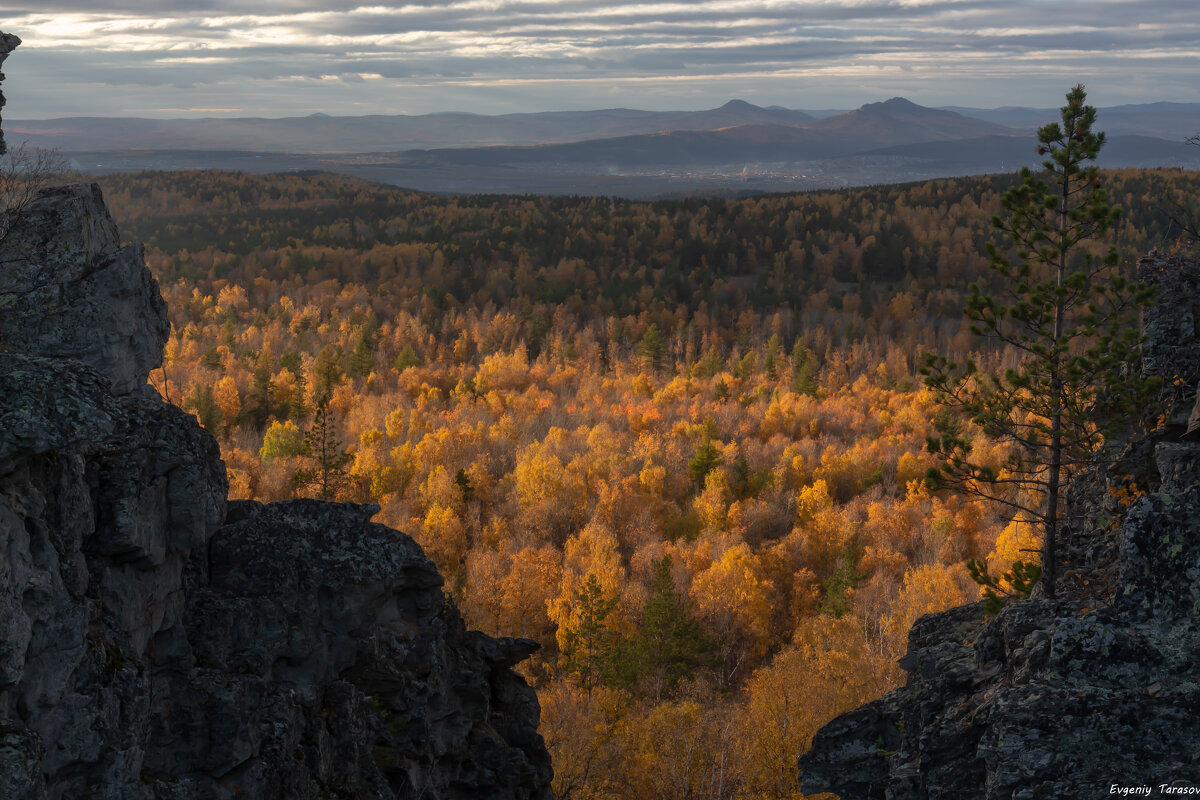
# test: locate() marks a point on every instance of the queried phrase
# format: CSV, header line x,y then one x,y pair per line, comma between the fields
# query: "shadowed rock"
x,y
68,289
8,43
305,594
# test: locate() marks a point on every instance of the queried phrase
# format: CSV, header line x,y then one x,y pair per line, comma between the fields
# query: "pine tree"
x,y
465,489
407,358
298,409
1069,317
652,347
326,478
746,366
362,357
771,361
804,370
590,644
742,479
706,459
261,404
200,400
669,645
328,369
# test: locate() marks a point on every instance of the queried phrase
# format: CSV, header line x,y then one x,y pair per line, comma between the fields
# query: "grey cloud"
x,y
534,41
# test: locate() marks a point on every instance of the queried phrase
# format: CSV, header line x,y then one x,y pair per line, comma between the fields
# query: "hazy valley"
x,y
737,148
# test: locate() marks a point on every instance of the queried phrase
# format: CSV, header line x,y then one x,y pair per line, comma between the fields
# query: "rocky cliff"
x,y
8,43
159,642
1083,696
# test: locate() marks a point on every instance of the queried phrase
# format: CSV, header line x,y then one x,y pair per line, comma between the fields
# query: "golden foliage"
x,y
508,420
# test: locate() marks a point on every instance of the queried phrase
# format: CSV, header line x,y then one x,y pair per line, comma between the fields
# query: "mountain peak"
x,y
739,105
893,105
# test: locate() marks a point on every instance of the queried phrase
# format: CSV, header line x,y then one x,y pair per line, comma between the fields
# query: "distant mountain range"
x,y
895,122
320,133
738,147
1171,121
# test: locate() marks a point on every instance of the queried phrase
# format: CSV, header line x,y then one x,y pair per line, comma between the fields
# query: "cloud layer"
x,y
284,57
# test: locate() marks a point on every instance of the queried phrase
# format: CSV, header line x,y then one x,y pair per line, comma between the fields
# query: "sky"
x,y
278,58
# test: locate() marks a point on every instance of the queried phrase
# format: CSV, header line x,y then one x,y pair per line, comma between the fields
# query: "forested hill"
x,y
662,261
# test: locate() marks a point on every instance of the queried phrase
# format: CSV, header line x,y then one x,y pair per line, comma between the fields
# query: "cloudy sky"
x,y
162,58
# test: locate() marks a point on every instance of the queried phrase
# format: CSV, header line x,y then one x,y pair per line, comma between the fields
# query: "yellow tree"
x,y
732,596
585,610
583,731
681,750
831,668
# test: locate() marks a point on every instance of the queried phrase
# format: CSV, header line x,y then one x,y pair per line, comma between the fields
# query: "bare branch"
x,y
24,172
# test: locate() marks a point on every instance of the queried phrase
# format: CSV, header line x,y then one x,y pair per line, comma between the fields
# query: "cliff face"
x,y
8,43
1066,698
157,642
68,289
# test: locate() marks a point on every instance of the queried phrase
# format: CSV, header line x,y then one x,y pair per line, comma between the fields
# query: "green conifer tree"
x,y
669,645
1068,317
362,357
328,369
771,360
200,400
804,370
407,358
326,478
706,459
298,408
652,347
261,402
743,485
588,654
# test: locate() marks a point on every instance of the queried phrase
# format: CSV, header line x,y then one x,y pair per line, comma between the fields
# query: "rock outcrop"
x,y
159,643
68,289
8,43
1073,697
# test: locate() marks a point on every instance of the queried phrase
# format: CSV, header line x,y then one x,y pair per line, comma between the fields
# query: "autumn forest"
x,y
681,444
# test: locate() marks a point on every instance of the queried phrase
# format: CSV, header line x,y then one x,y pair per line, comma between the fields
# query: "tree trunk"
x,y
1049,540
1051,532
